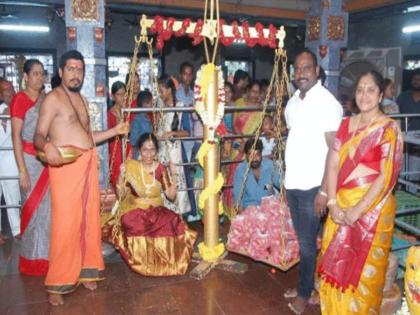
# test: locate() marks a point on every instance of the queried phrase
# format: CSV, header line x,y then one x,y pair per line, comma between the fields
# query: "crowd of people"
x,y
343,170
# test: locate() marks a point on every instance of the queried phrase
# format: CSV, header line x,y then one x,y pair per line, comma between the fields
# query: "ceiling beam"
x,y
226,8
360,5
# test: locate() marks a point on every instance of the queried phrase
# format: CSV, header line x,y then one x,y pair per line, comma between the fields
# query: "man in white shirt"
x,y
313,115
8,188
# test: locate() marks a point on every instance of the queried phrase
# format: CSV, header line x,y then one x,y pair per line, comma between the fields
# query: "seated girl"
x,y
153,240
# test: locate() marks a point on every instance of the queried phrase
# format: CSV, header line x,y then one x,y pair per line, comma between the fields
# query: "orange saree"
x,y
75,248
354,257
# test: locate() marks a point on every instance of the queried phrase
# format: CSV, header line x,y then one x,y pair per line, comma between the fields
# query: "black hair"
x,y
168,83
127,77
250,142
230,85
240,75
344,98
415,72
268,116
264,83
27,66
377,78
146,137
55,81
254,82
143,97
387,82
116,86
309,52
71,54
185,65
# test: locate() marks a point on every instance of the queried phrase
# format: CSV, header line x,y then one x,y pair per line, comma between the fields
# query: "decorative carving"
x,y
325,4
71,33
335,27
85,10
314,28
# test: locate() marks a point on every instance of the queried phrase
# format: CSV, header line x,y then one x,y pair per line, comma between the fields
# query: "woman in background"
x,y
118,91
389,106
170,149
33,175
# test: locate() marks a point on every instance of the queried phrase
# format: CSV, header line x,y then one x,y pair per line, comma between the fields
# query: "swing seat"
x,y
265,233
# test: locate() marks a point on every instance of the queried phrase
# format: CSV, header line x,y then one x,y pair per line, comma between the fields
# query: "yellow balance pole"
x,y
211,170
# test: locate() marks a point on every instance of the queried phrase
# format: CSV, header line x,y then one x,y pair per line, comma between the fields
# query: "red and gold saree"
x,y
354,257
153,240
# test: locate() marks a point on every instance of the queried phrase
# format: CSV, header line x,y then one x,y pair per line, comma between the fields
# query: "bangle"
x,y
22,170
322,193
331,202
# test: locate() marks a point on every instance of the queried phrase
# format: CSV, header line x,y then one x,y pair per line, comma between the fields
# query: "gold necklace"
x,y
146,185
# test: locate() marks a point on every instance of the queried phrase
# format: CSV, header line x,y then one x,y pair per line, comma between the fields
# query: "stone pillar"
x,y
326,35
85,21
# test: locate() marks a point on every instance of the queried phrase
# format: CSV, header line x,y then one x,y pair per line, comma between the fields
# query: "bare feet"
x,y
2,241
90,285
55,299
3,237
298,305
290,293
315,298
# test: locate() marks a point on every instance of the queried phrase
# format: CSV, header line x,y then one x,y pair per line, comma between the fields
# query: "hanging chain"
x,y
128,97
273,81
282,90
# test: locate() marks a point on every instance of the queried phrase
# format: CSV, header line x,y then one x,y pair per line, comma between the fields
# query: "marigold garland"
x,y
211,254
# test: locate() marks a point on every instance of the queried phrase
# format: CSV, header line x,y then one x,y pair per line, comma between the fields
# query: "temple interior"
x,y
348,38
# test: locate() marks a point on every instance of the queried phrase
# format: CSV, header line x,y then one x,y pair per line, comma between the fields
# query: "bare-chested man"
x,y
75,249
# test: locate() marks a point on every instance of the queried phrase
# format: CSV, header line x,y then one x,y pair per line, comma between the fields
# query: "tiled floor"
x,y
259,291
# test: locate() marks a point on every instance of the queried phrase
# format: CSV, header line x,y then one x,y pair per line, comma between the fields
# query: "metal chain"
x,y
274,78
128,97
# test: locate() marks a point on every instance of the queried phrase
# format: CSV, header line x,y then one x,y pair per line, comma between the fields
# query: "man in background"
x,y
9,189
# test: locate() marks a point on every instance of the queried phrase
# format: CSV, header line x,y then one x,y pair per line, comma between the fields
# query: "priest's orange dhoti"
x,y
75,250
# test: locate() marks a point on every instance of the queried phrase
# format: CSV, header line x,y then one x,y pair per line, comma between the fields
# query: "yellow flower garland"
x,y
211,254
200,91
216,186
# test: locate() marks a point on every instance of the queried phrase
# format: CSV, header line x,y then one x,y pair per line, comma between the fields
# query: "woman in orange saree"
x,y
153,240
244,123
362,171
